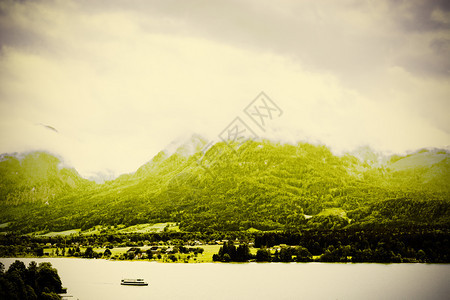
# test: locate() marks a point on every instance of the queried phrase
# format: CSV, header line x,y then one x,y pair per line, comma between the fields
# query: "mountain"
x,y
36,177
253,186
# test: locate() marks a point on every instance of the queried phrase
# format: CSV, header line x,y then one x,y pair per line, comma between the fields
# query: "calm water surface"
x,y
100,279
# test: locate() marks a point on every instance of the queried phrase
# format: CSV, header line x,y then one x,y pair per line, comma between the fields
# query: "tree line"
x,y
368,243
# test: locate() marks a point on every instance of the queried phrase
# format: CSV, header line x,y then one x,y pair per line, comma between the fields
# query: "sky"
x,y
108,84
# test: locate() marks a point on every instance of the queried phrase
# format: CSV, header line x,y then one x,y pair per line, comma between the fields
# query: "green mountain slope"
x,y
259,185
36,177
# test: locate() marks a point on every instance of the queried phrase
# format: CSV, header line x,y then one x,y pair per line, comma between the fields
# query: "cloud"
x,y
121,82
347,37
422,15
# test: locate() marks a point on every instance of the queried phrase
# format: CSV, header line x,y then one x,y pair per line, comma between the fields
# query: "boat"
x,y
139,281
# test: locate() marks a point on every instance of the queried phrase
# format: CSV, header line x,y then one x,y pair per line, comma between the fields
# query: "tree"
x,y
263,255
242,253
15,277
89,253
172,257
226,257
285,254
17,266
130,255
107,253
39,251
421,256
276,256
49,296
303,254
229,249
32,274
48,277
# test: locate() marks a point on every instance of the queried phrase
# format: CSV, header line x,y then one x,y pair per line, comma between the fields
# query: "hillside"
x,y
36,177
258,186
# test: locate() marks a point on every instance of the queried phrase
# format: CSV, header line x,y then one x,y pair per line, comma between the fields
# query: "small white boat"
x,y
139,281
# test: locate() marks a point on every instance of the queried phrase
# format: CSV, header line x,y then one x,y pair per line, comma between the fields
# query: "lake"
x,y
100,279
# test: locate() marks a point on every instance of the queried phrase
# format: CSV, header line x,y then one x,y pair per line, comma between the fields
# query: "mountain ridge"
x,y
263,185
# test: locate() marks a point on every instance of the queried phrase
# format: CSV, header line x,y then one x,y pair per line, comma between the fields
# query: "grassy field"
x,y
140,228
144,228
207,255
333,211
62,233
4,225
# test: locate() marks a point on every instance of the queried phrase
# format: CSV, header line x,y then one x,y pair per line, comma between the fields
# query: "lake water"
x,y
100,279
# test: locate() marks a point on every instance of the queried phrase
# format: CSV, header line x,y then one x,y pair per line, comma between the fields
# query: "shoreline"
x,y
221,262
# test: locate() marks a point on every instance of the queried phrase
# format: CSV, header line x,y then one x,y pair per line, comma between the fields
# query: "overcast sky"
x,y
108,84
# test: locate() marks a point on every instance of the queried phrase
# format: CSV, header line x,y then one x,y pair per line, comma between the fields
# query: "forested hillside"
x,y
257,186
36,177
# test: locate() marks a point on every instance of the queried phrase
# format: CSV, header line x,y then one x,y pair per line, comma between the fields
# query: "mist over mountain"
x,y
256,185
